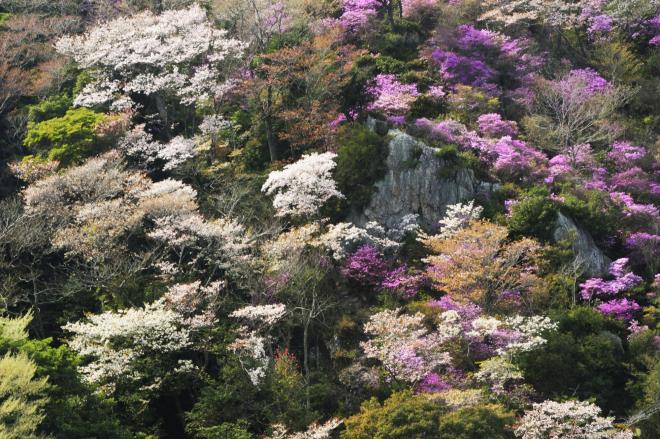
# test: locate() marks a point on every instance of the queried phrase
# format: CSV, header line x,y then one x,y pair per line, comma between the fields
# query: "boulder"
x,y
419,182
592,260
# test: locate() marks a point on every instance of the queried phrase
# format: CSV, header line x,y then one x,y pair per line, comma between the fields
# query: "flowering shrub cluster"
x,y
480,58
571,419
623,281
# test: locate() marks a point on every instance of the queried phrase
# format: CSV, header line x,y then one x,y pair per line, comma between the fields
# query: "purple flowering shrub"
x,y
391,96
492,125
600,290
483,58
369,268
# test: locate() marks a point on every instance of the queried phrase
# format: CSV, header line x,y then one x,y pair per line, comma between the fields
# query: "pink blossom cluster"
x,y
509,157
390,95
492,125
623,280
479,58
417,7
368,267
357,13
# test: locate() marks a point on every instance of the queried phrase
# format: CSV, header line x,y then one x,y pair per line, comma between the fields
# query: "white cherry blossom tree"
x,y
301,188
177,54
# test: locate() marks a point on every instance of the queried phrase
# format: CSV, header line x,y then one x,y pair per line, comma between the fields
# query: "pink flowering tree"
x,y
483,58
390,96
357,13
368,267
407,350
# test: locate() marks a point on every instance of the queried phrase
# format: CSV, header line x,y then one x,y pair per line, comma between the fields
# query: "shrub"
x,y
69,138
595,211
467,103
581,360
482,421
402,416
534,215
49,108
360,163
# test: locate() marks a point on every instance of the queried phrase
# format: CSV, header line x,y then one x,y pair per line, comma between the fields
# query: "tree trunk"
x,y
270,136
306,360
390,14
272,144
162,112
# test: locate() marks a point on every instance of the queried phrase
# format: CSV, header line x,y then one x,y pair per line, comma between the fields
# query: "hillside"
x,y
348,219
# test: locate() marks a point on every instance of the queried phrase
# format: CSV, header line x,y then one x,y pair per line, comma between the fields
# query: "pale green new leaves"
x,y
22,397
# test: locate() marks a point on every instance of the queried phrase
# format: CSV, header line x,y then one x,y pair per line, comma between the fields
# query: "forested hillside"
x,y
315,219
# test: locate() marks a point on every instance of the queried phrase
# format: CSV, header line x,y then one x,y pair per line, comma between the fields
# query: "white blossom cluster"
x,y
483,326
529,330
314,431
217,241
301,188
251,351
552,12
114,341
176,152
567,420
259,315
140,145
250,346
178,52
194,302
405,347
458,216
213,123
343,238
498,371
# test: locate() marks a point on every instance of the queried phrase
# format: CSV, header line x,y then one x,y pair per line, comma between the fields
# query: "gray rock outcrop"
x,y
419,182
592,261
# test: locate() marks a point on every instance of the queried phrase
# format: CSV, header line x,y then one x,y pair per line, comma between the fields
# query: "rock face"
x,y
592,260
417,182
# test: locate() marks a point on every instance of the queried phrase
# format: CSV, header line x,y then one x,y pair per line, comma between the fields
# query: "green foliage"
x,y
49,108
254,155
483,421
227,403
534,215
583,359
595,210
70,408
456,159
645,385
467,103
402,416
22,397
69,138
293,37
288,390
389,65
4,17
400,43
360,163
650,418
425,106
